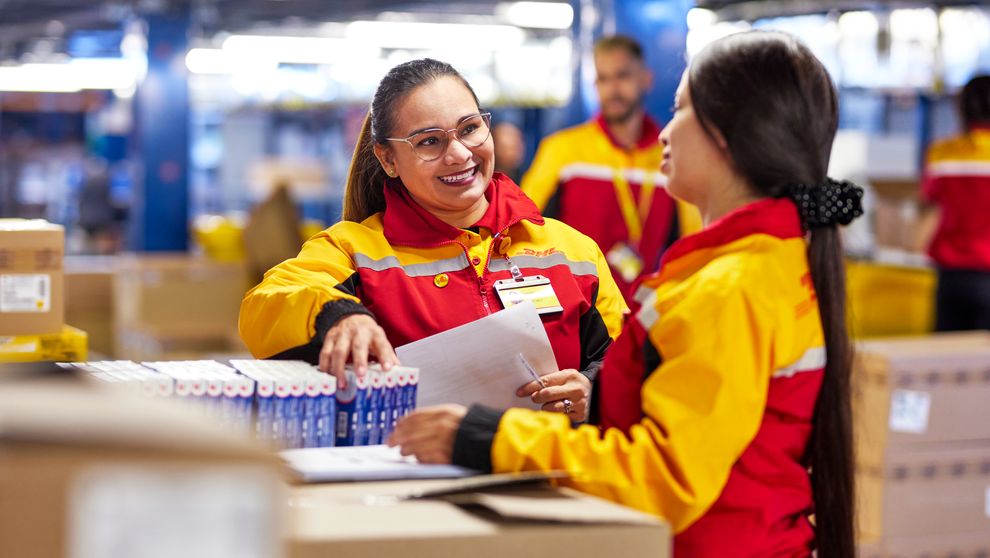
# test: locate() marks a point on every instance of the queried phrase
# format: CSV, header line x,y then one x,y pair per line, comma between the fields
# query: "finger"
x,y
359,350
528,389
339,353
557,378
555,393
383,350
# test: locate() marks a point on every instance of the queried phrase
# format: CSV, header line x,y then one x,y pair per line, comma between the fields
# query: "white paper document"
x,y
364,463
479,362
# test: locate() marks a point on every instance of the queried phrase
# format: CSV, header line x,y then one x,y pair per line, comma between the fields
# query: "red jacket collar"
x,y
408,224
776,217
649,136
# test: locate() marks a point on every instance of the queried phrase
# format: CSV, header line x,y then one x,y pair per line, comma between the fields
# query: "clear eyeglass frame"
x,y
423,152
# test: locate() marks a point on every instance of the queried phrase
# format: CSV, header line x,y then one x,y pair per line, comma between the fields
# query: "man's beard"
x,y
622,117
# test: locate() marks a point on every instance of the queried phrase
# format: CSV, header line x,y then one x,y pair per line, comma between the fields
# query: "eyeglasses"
x,y
430,144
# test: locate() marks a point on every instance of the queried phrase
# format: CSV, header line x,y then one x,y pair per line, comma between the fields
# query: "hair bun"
x,y
829,203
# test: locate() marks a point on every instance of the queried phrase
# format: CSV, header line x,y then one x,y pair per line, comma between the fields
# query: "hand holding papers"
x,y
479,362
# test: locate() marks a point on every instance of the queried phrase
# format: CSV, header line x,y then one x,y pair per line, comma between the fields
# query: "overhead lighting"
x,y
294,50
428,36
76,75
700,18
539,15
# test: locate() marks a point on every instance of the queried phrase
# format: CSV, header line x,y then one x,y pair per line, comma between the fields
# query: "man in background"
x,y
602,177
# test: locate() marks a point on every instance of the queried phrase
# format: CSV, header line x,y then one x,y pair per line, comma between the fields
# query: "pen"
x,y
532,371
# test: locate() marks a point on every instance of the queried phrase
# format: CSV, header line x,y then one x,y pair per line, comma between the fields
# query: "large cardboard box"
x,y
161,298
87,471
927,490
922,435
974,544
89,299
365,519
192,342
920,390
31,299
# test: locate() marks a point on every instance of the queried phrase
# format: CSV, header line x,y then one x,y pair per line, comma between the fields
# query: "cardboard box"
x,y
88,471
921,390
68,345
89,299
932,489
171,343
922,435
31,299
176,293
361,519
960,545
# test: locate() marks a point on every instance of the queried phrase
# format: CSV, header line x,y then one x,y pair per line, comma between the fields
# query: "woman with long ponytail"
x,y
725,402
429,229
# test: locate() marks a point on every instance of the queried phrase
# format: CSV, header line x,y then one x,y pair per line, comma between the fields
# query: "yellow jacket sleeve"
x,y
541,180
702,407
280,312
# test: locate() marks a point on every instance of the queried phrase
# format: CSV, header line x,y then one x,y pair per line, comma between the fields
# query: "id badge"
x,y
625,260
536,289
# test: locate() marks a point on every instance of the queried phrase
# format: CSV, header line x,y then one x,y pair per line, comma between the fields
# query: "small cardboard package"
x,y
31,252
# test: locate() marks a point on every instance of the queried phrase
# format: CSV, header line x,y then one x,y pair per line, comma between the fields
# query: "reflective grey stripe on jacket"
x,y
544,262
426,269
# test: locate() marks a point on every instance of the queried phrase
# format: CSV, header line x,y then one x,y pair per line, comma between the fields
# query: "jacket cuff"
x,y
474,438
333,312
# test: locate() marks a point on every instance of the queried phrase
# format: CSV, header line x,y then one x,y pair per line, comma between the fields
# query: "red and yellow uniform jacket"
x,y
957,179
706,398
578,176
419,276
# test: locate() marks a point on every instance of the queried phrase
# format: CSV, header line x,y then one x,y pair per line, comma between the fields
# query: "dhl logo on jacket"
x,y
957,178
707,397
420,276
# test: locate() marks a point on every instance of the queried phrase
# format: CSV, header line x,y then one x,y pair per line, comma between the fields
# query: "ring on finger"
x,y
568,406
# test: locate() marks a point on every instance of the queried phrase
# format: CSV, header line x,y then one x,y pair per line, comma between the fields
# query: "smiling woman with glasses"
x,y
433,238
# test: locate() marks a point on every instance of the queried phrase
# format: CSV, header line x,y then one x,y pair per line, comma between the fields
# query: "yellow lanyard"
x,y
634,217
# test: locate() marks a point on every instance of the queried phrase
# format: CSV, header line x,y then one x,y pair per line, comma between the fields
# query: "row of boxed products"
x,y
287,403
923,444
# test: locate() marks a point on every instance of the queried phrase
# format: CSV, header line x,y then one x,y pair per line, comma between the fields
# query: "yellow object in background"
x,y
70,345
887,300
222,236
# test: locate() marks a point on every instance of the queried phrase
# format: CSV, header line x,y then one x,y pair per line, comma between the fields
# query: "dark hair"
x,y
974,102
619,42
364,193
776,107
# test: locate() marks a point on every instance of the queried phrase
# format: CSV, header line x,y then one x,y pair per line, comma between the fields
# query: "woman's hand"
x,y
429,433
357,336
566,391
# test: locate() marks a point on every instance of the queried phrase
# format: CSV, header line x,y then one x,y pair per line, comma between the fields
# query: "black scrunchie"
x,y
831,202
